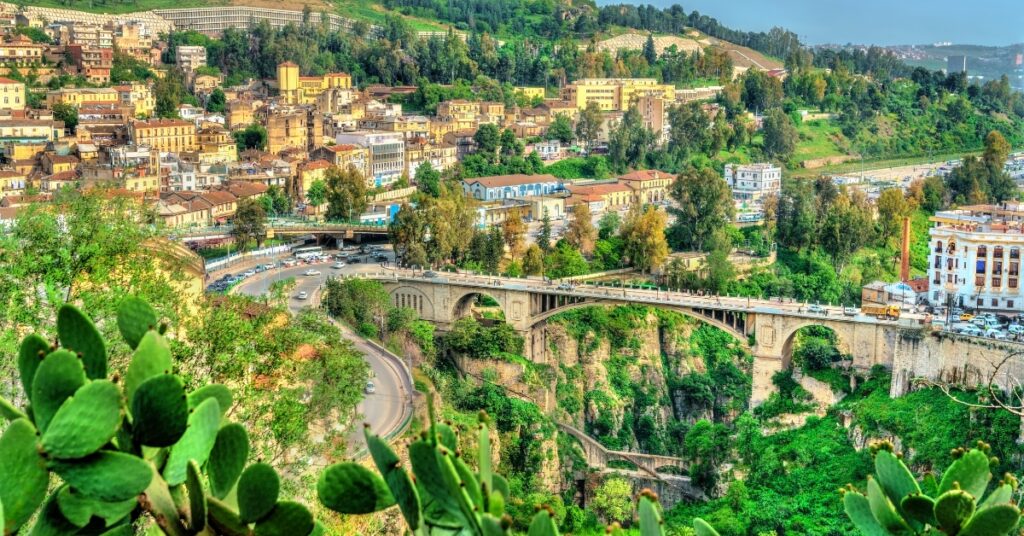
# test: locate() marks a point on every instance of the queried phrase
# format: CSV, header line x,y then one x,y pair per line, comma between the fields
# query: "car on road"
x,y
970,329
289,262
338,265
301,295
995,334
1016,329
966,317
270,266
311,272
370,388
249,273
568,287
815,309
430,273
850,311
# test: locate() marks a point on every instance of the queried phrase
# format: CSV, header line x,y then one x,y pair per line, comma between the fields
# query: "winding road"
x,y
389,407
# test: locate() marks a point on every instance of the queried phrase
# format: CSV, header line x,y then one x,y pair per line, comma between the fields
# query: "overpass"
x,y
274,228
598,455
765,327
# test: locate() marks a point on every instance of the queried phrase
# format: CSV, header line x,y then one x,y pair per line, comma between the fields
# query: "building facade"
x,y
511,186
165,135
12,94
752,182
387,154
614,94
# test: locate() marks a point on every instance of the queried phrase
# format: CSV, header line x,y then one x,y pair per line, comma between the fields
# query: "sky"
x,y
879,22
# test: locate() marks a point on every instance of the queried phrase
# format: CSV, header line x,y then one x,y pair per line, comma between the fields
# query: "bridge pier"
x,y
761,378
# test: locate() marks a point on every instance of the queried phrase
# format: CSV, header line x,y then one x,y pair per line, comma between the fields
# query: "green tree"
x,y
561,129
68,113
533,260
650,52
487,139
253,136
275,201
544,234
630,142
565,261
846,227
703,205
780,136
613,500
428,179
217,102
346,193
170,93
580,233
608,225
249,223
407,233
893,206
513,229
588,125
317,193
643,238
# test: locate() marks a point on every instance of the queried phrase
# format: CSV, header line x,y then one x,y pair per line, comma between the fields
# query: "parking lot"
x,y
327,259
987,325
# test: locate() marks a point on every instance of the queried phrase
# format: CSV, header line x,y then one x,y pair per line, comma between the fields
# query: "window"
x,y
937,279
1013,282
997,252
1009,304
1014,253
979,266
982,251
938,247
997,281
1014,267
997,267
979,280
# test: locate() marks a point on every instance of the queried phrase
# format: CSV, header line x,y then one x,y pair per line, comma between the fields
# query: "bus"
x,y
307,252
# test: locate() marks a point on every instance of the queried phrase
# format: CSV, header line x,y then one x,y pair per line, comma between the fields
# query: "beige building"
x,y
30,130
614,94
139,97
654,110
293,128
216,145
308,173
297,89
21,51
166,135
615,196
12,183
343,155
79,96
648,186
12,94
190,58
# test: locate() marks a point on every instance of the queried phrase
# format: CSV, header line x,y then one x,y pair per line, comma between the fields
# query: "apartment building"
x,y
753,182
30,130
12,95
138,97
511,186
387,154
975,257
165,135
308,173
614,94
84,95
343,155
292,127
92,62
21,51
214,20
654,111
90,35
216,145
471,114
189,58
12,183
295,89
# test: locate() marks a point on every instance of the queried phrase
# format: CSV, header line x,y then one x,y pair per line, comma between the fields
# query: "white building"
x,y
752,182
387,153
511,186
190,58
974,257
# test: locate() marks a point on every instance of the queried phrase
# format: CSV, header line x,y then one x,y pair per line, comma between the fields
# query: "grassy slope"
x,y
819,139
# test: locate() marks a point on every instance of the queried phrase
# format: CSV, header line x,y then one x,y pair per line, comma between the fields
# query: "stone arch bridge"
x,y
765,327
598,455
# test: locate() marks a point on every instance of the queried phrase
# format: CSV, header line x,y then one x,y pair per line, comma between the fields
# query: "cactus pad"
x,y
258,488
85,422
159,411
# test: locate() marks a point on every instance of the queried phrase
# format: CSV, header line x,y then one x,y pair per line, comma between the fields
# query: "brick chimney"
x,y
905,251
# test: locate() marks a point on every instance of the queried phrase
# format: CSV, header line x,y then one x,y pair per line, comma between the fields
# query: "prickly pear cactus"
x,y
896,504
133,445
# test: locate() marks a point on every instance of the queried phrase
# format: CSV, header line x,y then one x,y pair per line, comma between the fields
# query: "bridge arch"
x,y
413,298
841,332
463,305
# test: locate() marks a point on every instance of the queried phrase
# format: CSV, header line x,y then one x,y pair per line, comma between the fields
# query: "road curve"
x,y
389,408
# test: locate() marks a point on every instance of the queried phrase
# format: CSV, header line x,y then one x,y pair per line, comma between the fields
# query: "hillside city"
x,y
502,267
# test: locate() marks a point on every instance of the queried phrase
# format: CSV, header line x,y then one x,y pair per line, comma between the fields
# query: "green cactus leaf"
x,y
543,524
57,378
31,353
78,334
120,530
318,529
992,521
858,509
227,459
287,519
970,471
484,456
350,488
164,509
159,411
495,503
929,486
501,486
152,357
920,508
258,488
702,528
196,443
214,390
85,422
650,517
9,412
398,481
894,477
469,482
438,502
23,475
491,525
79,509
1002,494
884,511
446,460
51,522
952,509
196,497
107,476
223,519
446,436
134,318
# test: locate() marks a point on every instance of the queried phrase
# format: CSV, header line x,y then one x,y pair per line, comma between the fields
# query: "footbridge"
x,y
598,455
766,328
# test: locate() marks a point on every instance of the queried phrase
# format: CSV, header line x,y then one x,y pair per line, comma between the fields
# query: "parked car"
x,y
995,334
249,273
1015,329
270,266
301,295
370,388
338,265
311,272
565,286
972,330
850,311
289,262
966,317
430,273
815,309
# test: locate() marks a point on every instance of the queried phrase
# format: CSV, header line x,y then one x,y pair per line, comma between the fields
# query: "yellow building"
x,y
344,155
297,89
295,127
138,96
649,185
12,94
216,145
615,196
12,183
531,92
309,172
140,183
21,51
614,94
30,130
78,96
167,135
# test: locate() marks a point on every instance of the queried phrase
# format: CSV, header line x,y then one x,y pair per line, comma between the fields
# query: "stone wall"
x,y
964,361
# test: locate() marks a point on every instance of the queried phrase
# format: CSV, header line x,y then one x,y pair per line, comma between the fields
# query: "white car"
x,y
815,309
850,311
1016,329
338,265
971,330
302,295
996,334
370,388
311,272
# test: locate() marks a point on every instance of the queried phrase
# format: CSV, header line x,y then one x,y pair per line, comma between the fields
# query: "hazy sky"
x,y
882,22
